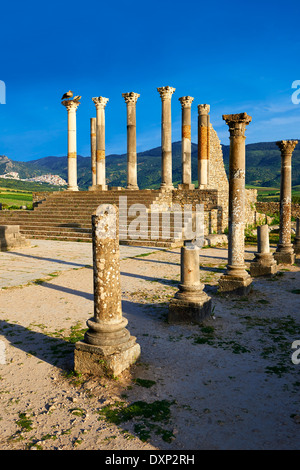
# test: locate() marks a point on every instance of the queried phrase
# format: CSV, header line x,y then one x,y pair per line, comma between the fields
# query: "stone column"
x,y
186,143
284,252
190,303
130,100
264,263
203,145
93,150
297,238
100,103
72,106
108,348
166,93
236,280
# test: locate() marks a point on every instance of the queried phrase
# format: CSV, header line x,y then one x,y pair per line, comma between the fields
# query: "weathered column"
x,y
203,145
72,106
236,280
264,263
100,103
186,143
108,348
285,252
297,238
190,303
93,150
130,100
166,93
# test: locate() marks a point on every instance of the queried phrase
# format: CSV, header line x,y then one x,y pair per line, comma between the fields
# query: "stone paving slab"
x,y
45,257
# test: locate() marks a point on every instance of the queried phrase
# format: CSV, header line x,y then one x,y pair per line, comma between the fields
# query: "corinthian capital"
x,y
71,104
166,92
203,109
186,101
237,123
100,101
130,97
287,146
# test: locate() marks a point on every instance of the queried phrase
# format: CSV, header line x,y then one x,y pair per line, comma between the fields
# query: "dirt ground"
x,y
227,384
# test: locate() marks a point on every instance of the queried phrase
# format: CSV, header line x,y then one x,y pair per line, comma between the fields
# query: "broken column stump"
x,y
264,263
11,238
190,303
108,348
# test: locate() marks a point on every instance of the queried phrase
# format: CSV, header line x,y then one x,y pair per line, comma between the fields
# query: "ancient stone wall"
x,y
217,174
272,208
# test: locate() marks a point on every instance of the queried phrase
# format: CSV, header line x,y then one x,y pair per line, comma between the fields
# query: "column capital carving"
x,y
237,123
71,104
100,101
166,92
186,101
287,146
130,97
203,109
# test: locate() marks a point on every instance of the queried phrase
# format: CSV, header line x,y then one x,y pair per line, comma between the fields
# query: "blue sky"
x,y
236,56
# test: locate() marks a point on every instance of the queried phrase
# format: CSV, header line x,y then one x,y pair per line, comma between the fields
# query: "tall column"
x,y
93,149
186,144
236,279
166,93
72,106
263,263
285,252
100,103
108,348
203,145
130,100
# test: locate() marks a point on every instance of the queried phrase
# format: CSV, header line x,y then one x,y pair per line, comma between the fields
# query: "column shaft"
x,y
186,143
72,106
100,103
131,99
203,145
166,137
93,149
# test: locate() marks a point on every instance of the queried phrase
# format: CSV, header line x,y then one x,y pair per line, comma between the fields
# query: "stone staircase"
x,y
67,216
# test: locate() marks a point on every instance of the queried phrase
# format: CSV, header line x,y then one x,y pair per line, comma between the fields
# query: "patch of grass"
x,y
24,422
148,415
144,382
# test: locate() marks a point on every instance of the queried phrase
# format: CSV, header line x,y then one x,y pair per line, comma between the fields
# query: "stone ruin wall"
x,y
273,208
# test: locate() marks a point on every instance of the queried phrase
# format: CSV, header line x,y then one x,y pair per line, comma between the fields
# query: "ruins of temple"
x,y
66,215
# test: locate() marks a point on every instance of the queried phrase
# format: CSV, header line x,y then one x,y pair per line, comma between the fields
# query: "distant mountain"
x,y
263,163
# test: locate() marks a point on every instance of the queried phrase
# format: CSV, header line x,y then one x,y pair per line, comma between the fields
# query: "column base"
x,y
115,188
166,187
186,186
191,306
235,285
202,186
98,187
263,265
72,188
284,254
105,360
133,187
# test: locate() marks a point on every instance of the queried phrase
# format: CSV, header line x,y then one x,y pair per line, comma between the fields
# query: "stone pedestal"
x,y
72,106
130,100
190,304
186,144
284,252
166,137
264,263
297,238
203,145
93,152
236,280
100,103
108,348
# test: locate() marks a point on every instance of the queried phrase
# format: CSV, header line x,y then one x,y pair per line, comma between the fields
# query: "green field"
x,y
268,194
12,199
